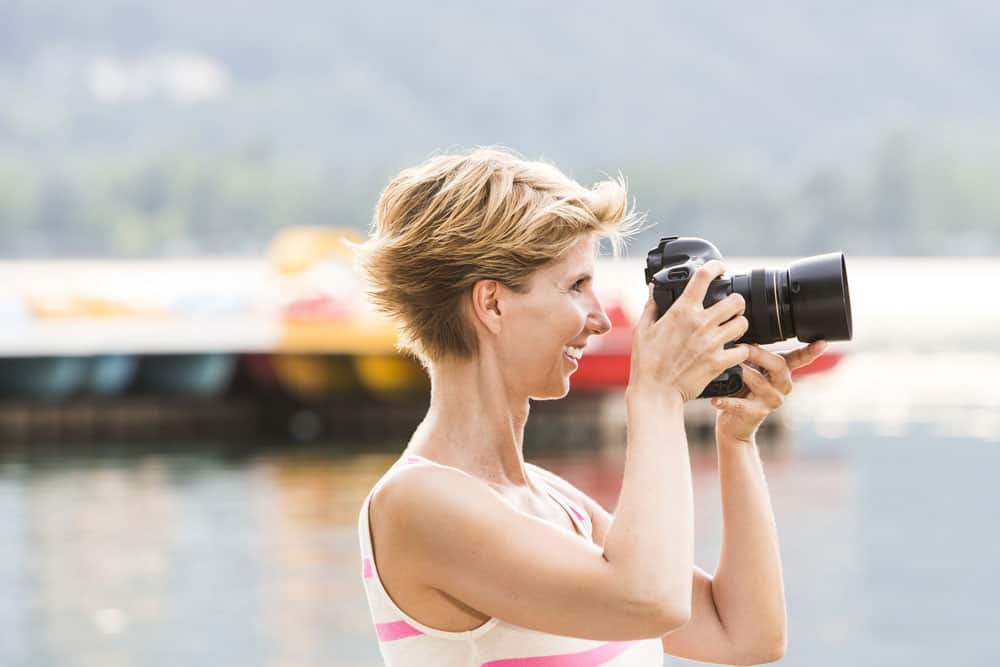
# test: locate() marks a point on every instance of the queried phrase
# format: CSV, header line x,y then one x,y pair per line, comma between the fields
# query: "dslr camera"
x,y
809,300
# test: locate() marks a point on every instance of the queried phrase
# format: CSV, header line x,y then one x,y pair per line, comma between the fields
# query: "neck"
x,y
474,422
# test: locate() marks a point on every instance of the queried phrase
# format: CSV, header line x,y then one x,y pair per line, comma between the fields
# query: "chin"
x,y
552,393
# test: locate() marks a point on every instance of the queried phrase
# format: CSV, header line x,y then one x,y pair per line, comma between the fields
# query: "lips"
x,y
573,354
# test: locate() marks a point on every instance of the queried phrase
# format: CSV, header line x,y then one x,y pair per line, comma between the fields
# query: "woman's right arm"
x,y
651,538
673,359
528,572
462,538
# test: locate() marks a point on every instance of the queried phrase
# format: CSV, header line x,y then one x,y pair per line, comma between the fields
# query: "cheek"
x,y
543,327
565,320
576,317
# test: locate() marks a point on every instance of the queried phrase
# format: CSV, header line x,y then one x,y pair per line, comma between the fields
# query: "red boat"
x,y
607,361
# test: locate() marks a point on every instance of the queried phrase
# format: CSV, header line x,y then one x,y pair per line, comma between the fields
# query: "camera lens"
x,y
809,300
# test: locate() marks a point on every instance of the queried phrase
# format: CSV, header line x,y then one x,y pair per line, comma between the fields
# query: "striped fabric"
x,y
403,641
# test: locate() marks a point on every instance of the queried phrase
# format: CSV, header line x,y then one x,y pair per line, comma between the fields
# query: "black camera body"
x,y
809,300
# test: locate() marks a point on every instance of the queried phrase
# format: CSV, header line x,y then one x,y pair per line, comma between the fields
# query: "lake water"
x,y
884,484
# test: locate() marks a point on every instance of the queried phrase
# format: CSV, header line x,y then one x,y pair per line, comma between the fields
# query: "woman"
x,y
471,555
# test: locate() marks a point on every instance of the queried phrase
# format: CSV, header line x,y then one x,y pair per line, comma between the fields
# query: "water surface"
x,y
885,495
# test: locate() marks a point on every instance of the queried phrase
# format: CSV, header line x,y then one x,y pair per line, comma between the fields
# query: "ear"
x,y
486,304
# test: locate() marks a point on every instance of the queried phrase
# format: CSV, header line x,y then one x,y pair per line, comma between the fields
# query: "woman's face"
x,y
545,328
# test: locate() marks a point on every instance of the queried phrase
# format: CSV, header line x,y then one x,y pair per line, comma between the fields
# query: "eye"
x,y
578,285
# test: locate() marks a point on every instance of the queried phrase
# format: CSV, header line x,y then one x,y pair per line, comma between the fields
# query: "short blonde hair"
x,y
443,225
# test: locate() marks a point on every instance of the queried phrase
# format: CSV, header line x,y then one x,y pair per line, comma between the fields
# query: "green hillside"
x,y
144,129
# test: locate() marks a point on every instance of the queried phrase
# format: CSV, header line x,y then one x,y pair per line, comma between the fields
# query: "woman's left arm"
x,y
747,586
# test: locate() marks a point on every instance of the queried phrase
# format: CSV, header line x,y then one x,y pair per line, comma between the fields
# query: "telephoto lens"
x,y
809,300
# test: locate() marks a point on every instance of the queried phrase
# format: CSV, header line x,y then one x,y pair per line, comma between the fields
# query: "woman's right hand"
x,y
683,350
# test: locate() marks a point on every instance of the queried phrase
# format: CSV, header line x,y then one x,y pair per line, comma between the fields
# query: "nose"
x,y
598,322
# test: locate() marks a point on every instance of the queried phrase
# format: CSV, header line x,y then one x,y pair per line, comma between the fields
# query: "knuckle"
x,y
712,268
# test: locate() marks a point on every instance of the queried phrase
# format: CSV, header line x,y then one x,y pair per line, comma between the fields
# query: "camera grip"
x,y
730,381
727,383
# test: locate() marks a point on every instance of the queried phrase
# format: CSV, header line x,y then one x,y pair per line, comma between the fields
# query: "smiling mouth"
x,y
573,353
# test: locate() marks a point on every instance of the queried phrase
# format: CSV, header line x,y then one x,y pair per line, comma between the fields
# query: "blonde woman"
x,y
473,556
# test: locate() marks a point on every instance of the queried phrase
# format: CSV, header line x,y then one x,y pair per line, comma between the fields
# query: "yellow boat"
x,y
331,342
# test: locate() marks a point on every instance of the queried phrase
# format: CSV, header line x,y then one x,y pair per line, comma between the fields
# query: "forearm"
x,y
747,587
651,538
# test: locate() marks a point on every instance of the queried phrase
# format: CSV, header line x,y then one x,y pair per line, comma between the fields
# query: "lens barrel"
x,y
821,300
810,300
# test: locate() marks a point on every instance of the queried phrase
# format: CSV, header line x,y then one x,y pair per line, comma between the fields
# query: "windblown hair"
x,y
443,225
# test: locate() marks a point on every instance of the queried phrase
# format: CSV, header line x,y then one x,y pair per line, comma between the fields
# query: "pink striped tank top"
x,y
404,641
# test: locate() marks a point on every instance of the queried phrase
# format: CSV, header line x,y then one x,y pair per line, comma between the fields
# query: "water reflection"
x,y
207,555
905,389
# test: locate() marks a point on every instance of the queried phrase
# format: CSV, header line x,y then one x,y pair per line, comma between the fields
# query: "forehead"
x,y
580,256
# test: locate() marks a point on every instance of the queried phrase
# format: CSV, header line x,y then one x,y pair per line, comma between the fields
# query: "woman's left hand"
x,y
767,379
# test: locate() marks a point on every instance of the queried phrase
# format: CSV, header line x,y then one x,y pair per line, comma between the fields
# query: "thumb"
x,y
648,315
805,355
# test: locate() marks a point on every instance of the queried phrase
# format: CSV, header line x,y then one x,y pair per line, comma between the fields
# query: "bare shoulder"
x,y
414,502
428,493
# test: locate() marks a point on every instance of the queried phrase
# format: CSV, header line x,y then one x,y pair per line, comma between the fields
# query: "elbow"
x,y
675,607
776,645
665,613
652,618
676,618
772,654
660,607
671,617
772,651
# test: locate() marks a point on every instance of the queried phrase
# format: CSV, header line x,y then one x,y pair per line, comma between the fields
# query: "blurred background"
x,y
195,397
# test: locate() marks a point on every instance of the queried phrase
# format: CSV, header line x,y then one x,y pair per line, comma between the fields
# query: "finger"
x,y
805,355
775,365
731,330
733,356
648,315
744,407
762,388
719,312
697,287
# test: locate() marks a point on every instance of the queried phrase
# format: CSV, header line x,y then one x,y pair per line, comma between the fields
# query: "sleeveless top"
x,y
404,641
